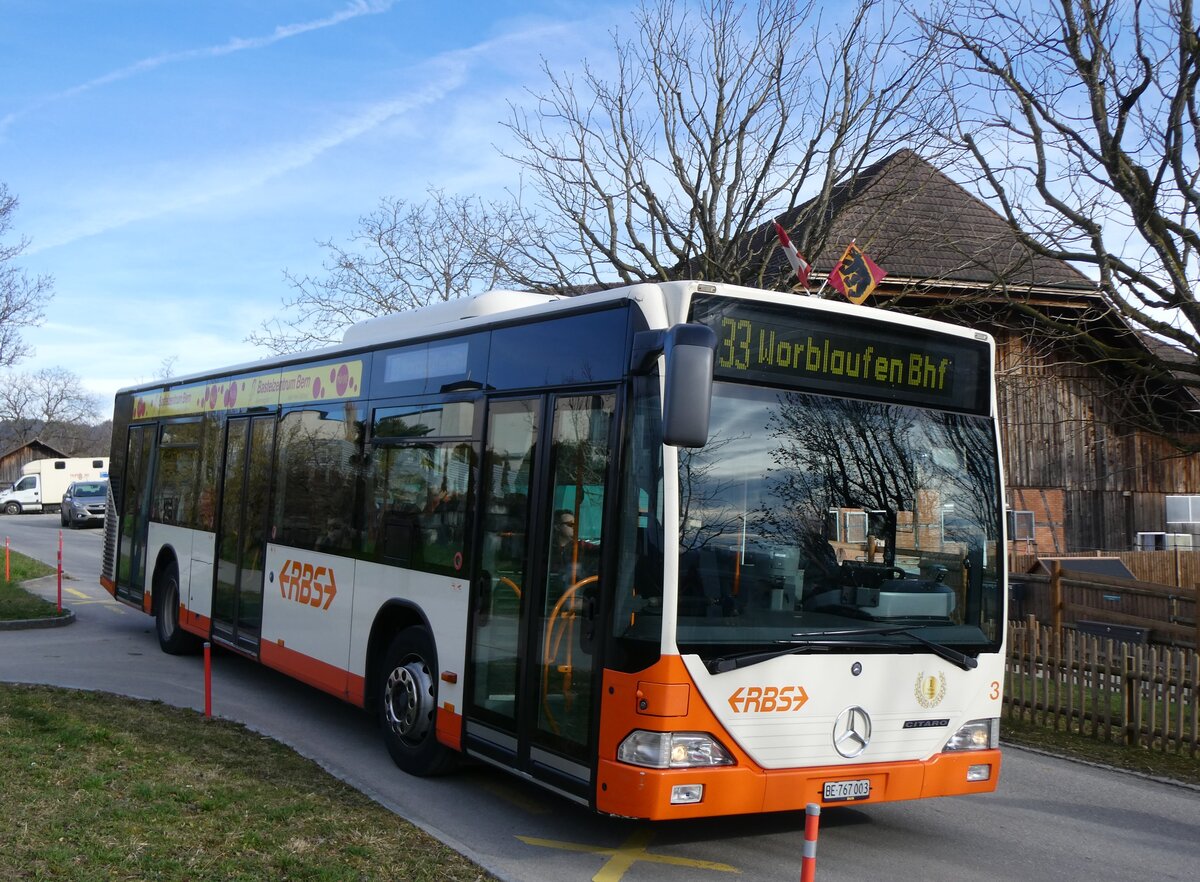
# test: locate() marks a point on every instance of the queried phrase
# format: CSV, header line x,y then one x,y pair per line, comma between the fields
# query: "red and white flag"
x,y
795,258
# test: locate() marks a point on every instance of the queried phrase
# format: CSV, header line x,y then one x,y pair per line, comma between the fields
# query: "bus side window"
x,y
400,533
420,494
318,479
177,472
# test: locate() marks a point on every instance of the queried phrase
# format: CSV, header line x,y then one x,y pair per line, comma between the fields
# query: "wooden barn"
x,y
12,460
1089,460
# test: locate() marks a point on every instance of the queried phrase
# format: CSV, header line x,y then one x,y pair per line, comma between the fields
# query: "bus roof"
x,y
664,303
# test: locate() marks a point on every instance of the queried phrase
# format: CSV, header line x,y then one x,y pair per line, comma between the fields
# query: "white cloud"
x,y
235,44
226,177
172,190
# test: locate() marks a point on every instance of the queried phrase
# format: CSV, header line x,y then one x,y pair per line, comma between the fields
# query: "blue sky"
x,y
173,159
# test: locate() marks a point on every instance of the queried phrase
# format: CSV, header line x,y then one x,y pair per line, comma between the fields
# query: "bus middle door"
x,y
241,531
534,673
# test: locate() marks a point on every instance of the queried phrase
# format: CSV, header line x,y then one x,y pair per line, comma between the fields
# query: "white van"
x,y
44,481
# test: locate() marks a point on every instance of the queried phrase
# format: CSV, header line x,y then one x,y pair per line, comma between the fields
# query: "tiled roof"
x,y
918,224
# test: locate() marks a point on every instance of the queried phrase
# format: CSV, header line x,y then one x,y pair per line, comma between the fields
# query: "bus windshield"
x,y
830,517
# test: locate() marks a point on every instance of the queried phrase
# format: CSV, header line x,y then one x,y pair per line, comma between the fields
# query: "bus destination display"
x,y
820,352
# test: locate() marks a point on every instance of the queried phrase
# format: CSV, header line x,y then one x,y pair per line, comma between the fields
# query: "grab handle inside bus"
x,y
687,391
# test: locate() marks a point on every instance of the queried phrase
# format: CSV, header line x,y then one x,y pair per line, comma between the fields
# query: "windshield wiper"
x,y
824,640
743,659
953,656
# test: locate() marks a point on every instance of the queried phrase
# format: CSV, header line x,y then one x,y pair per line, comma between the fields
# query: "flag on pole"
x,y
856,275
795,258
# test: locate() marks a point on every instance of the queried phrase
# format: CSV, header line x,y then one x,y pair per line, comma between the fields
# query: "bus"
x,y
670,550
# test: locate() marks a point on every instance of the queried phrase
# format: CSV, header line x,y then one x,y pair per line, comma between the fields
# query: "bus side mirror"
x,y
687,397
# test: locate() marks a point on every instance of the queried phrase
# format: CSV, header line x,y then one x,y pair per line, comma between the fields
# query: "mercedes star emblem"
x,y
852,732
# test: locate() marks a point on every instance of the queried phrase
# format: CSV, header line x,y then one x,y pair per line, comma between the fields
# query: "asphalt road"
x,y
1050,819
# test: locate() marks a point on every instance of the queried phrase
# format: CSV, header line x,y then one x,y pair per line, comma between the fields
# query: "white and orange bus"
x,y
671,550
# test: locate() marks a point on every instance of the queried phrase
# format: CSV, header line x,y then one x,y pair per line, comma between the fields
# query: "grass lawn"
x,y
98,787
15,601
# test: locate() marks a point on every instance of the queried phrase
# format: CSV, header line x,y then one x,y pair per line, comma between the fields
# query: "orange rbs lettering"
x,y
306,584
767,699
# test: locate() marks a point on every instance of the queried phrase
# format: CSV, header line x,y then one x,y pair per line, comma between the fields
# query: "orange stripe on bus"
x,y
356,690
194,623
326,677
449,727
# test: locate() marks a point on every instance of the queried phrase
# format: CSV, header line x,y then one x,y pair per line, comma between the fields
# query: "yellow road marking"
x,y
625,856
74,593
517,799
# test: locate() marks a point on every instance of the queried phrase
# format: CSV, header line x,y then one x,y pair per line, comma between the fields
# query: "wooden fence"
x,y
1112,691
1065,598
1178,567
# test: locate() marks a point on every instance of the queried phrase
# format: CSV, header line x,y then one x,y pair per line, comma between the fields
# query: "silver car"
x,y
84,503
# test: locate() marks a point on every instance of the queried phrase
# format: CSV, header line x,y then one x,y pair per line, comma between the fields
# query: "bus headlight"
x,y
672,750
976,735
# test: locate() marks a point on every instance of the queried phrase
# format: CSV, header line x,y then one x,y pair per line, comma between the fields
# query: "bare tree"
x,y
1081,117
402,256
30,402
706,513
21,296
714,117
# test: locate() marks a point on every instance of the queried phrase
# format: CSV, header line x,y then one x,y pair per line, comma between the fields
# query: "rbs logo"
x,y
306,584
767,699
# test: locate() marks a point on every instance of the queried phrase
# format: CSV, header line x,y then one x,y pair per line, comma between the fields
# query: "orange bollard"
x,y
6,576
808,863
207,680
60,571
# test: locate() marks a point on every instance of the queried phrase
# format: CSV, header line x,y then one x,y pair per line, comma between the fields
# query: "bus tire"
x,y
172,639
408,704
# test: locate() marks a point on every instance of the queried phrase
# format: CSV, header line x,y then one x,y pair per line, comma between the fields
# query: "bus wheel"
x,y
171,638
408,705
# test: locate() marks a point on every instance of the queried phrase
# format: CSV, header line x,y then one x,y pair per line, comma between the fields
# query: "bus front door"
x,y
241,531
534,673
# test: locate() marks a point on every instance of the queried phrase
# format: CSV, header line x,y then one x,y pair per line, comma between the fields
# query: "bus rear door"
x,y
135,512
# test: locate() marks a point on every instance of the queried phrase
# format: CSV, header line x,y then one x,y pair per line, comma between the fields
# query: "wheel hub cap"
x,y
409,701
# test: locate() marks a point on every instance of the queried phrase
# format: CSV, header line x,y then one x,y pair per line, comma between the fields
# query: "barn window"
x,y
1183,509
1020,525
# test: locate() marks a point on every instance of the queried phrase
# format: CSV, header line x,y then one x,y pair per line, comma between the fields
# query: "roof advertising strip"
x,y
326,382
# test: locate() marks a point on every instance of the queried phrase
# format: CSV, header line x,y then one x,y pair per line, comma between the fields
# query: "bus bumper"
x,y
631,791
